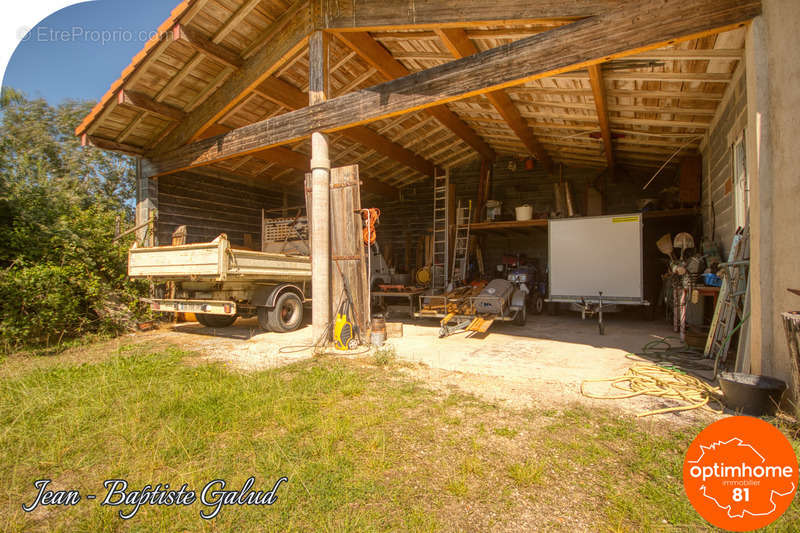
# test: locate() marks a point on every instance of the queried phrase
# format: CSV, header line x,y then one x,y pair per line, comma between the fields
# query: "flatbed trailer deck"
x,y
219,282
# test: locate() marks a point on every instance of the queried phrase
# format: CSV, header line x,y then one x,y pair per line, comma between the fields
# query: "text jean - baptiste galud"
x,y
213,496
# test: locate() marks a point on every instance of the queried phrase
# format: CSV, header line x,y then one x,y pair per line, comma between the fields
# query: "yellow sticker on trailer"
x,y
624,219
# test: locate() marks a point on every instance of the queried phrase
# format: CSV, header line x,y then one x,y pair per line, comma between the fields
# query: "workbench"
x,y
400,294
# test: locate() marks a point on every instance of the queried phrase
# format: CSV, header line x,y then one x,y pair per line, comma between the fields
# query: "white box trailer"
x,y
596,263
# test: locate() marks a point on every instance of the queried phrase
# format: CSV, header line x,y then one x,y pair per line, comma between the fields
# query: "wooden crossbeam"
x,y
143,102
200,43
460,45
287,95
376,15
294,27
599,93
634,27
381,60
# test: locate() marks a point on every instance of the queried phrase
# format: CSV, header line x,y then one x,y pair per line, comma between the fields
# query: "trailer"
x,y
476,309
218,283
595,264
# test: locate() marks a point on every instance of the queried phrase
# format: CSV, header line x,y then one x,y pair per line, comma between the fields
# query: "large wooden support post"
x,y
320,196
146,208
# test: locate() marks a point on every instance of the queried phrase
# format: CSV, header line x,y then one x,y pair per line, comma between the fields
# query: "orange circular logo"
x,y
740,473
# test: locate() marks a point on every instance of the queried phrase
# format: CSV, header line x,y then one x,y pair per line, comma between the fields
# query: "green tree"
x,y
60,274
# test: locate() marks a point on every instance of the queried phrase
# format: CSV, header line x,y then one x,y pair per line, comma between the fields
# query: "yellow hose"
x,y
661,382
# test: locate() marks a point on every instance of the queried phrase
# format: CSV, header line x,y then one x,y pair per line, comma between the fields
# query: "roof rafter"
x,y
599,92
143,102
193,38
294,26
379,58
459,44
632,28
289,96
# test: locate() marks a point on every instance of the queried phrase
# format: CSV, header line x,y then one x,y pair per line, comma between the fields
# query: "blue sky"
x,y
65,56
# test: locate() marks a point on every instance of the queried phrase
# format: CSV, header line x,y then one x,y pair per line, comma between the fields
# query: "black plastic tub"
x,y
751,394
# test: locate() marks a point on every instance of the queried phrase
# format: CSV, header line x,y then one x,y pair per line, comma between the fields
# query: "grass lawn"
x,y
364,448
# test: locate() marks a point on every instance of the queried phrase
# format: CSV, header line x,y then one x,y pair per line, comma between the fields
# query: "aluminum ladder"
x,y
734,287
441,184
461,244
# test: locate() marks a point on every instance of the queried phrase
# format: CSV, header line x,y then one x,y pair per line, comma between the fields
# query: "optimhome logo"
x,y
740,473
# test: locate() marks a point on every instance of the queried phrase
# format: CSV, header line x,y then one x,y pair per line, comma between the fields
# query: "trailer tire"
x,y
216,321
521,317
537,304
287,315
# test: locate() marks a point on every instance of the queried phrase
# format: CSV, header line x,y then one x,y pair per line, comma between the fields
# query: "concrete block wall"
x,y
719,219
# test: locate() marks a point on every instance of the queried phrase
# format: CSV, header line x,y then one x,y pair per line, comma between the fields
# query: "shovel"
x,y
683,241
665,245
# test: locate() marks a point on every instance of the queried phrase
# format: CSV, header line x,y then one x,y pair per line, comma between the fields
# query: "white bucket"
x,y
524,212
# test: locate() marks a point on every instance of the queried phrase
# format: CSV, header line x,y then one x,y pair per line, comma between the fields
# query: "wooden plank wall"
x,y
405,221
210,206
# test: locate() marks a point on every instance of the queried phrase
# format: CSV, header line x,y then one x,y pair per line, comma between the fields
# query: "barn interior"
x,y
640,112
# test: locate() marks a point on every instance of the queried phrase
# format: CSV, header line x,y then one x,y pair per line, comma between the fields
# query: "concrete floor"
x,y
540,364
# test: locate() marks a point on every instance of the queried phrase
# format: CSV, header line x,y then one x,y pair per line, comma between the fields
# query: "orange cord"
x,y
370,217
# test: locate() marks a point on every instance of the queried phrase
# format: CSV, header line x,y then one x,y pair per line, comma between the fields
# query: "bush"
x,y
61,274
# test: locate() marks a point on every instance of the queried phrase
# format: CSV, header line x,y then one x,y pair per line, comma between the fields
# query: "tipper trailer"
x,y
218,283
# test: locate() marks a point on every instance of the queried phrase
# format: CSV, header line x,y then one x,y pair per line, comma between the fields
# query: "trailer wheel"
x,y
287,313
521,317
538,304
216,321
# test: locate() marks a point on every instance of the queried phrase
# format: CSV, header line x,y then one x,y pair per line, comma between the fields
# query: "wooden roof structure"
x,y
220,69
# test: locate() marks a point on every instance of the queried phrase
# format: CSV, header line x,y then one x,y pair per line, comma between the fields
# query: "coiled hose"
x,y
663,379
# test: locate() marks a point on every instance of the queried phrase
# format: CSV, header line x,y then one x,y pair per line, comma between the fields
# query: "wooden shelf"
x,y
685,212
508,225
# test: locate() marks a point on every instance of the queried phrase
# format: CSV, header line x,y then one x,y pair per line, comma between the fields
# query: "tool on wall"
x,y
683,273
734,287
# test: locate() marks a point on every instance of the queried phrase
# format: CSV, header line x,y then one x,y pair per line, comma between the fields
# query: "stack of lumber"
x,y
456,302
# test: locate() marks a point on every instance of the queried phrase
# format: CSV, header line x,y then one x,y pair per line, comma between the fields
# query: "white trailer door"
x,y
592,254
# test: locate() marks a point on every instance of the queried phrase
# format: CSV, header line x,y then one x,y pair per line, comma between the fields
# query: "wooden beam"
x,y
143,102
108,144
200,43
294,26
599,93
235,20
376,15
458,42
633,28
287,95
381,60
319,88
